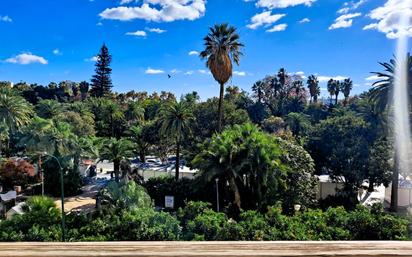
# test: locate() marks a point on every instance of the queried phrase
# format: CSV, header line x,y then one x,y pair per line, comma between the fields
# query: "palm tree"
x,y
48,109
15,112
176,119
331,89
222,47
337,90
380,93
116,150
346,88
134,113
314,89
258,89
382,88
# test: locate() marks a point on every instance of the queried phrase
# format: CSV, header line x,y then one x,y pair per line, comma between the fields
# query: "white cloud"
x,y
158,10
350,6
344,21
279,27
283,3
139,33
99,24
300,73
156,30
193,53
26,58
371,26
372,78
239,73
151,71
57,52
190,72
264,18
175,71
304,20
327,78
389,17
126,1
5,18
92,59
202,71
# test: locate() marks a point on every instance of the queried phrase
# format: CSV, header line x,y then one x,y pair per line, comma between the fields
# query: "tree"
x,y
340,147
380,94
101,81
84,89
48,109
176,119
247,159
15,112
383,88
222,47
347,86
314,89
116,150
331,86
257,88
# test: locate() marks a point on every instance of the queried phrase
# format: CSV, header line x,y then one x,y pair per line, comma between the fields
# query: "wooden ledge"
x,y
204,249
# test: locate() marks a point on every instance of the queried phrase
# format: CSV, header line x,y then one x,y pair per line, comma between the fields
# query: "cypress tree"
x,y
101,81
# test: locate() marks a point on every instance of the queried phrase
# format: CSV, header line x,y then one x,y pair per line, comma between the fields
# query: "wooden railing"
x,y
203,249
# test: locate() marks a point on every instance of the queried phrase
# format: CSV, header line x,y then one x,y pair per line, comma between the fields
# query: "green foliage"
x,y
101,81
125,196
40,222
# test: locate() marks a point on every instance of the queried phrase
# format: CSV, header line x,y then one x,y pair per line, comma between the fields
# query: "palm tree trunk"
x,y
220,108
236,192
395,184
116,164
177,156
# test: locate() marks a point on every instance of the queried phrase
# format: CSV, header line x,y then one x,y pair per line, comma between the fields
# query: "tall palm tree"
x,y
337,84
258,89
176,119
331,88
380,95
314,89
116,150
382,88
222,47
346,88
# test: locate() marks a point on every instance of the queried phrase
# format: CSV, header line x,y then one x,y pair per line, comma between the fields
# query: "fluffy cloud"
x,y
392,18
279,27
139,33
190,72
239,73
193,53
327,78
151,71
92,59
156,30
26,58
283,3
5,18
264,18
344,21
304,20
157,10
350,6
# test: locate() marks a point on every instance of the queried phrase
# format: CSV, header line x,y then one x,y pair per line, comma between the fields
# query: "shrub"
x,y
206,226
40,222
16,173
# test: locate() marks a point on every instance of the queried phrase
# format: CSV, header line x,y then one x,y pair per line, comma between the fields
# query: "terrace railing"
x,y
204,249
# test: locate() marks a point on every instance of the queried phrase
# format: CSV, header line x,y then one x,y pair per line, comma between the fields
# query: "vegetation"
x,y
260,152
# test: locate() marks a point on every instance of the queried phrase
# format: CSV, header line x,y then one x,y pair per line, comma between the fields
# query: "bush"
x,y
16,173
206,226
40,222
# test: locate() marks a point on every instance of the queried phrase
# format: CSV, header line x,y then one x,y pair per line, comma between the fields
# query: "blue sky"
x,y
49,40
